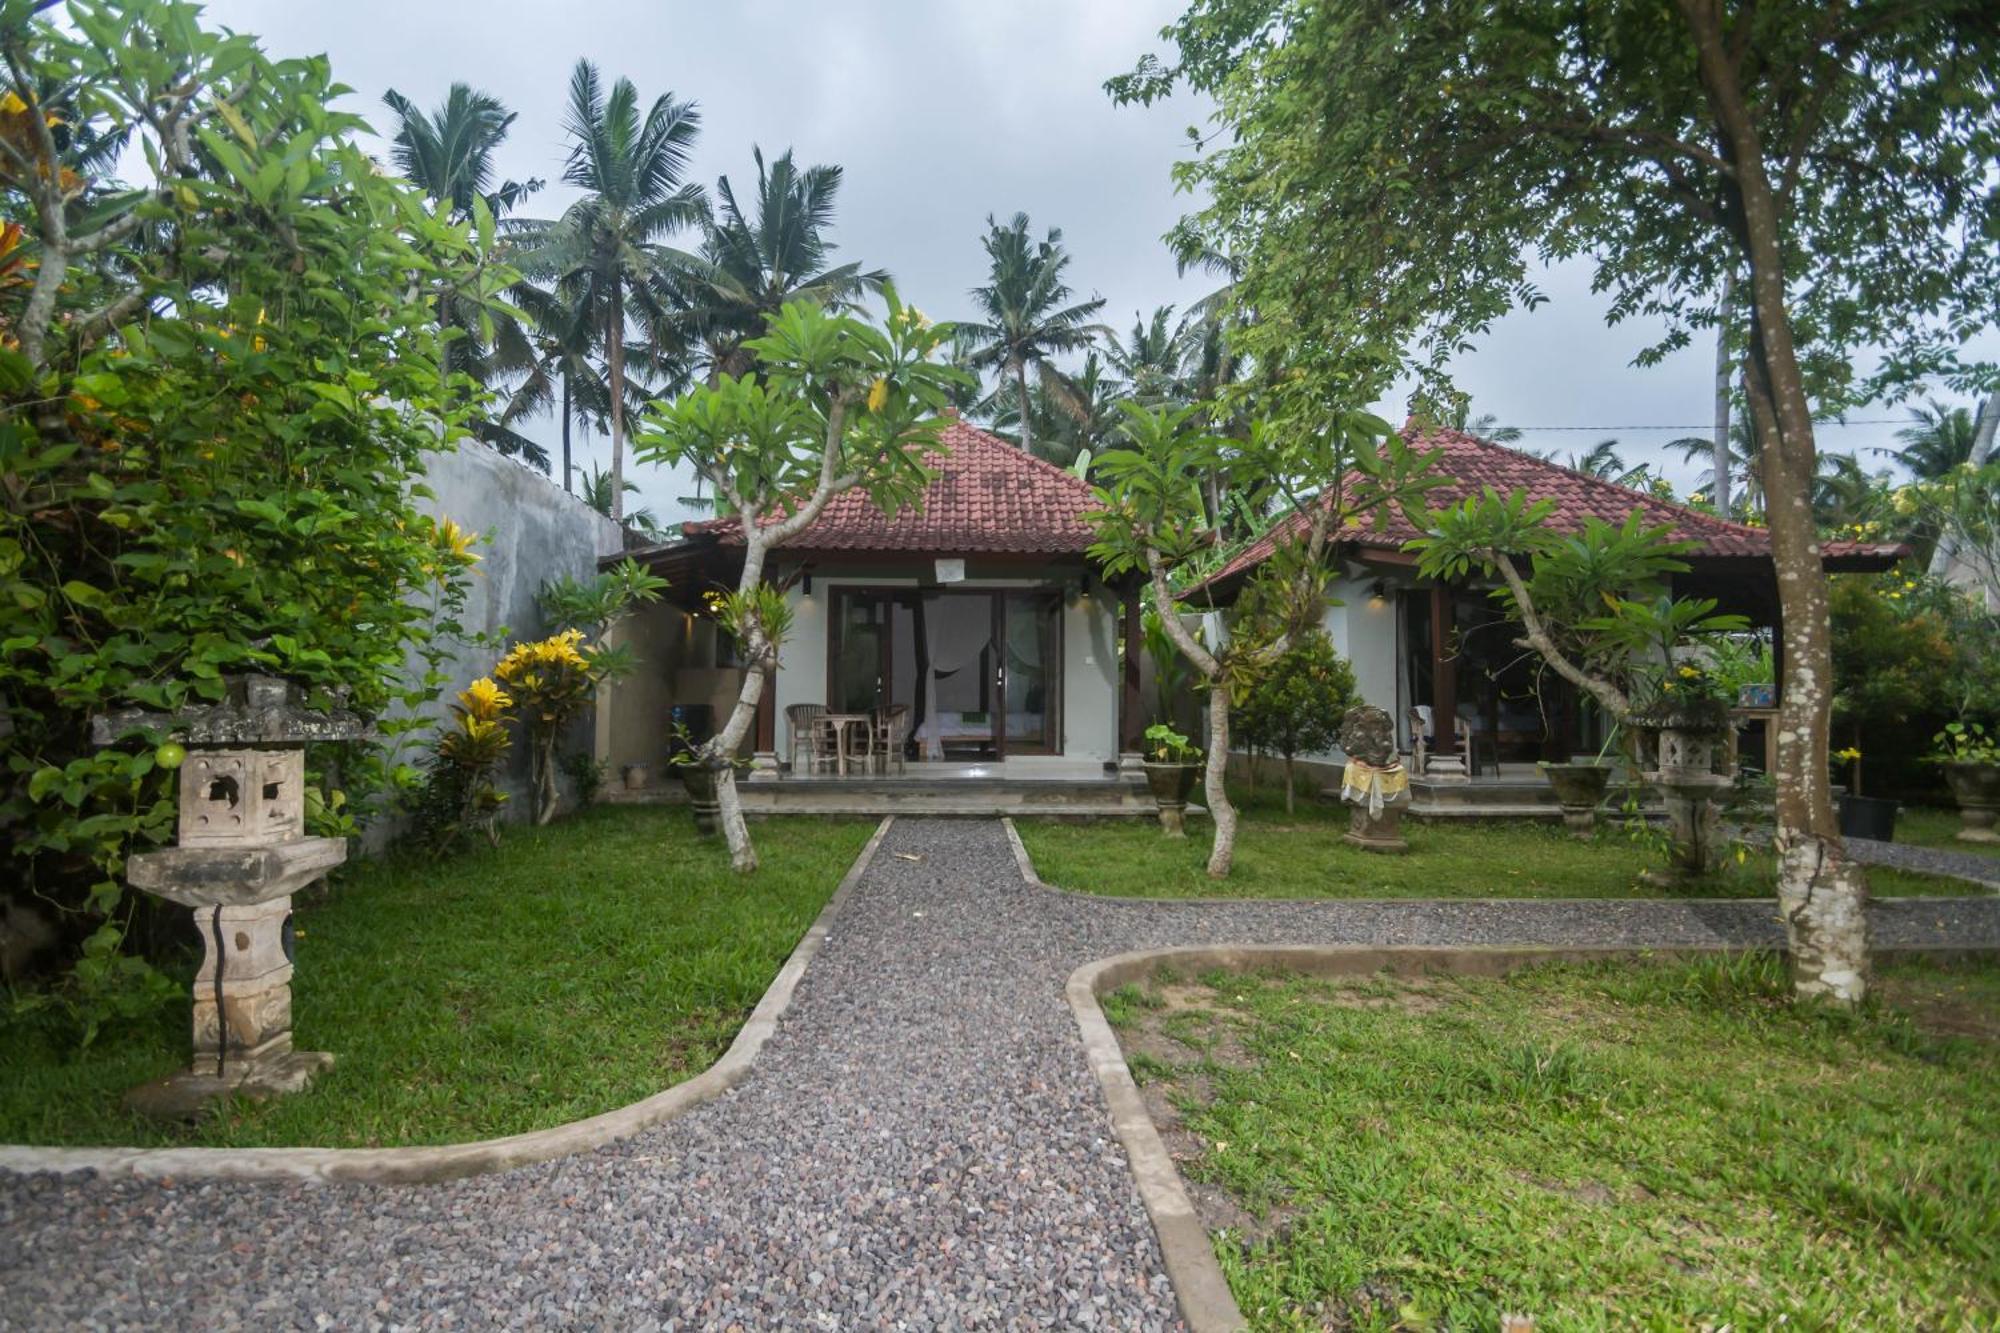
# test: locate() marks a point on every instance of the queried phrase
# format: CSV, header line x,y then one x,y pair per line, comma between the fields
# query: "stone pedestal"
x,y
242,854
763,767
1445,768
1693,824
1382,832
241,900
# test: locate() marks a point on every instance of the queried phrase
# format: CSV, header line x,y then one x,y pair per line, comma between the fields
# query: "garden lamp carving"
x,y
242,853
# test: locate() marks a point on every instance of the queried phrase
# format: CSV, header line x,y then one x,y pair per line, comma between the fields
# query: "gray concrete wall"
x,y
530,531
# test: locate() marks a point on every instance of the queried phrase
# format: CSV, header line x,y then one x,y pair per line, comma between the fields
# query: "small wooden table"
x,y
838,724
1741,717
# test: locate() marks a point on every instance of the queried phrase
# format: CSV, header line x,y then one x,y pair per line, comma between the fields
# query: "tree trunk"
x,y
568,474
546,795
614,334
1213,788
735,832
1021,379
1822,896
763,658
1723,366
1223,854
1289,809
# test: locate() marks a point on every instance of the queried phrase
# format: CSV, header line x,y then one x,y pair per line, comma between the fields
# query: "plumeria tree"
x,y
833,403
1322,469
1596,606
219,376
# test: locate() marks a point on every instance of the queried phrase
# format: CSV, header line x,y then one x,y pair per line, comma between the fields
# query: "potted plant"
x,y
697,773
1971,760
1690,711
1171,764
637,776
1861,816
1580,785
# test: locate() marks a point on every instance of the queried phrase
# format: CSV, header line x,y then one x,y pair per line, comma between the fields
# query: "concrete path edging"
x,y
450,1161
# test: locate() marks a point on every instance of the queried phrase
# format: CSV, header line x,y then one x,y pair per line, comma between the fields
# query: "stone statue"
x,y
1368,734
1374,783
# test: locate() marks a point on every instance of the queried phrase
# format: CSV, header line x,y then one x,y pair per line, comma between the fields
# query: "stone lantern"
x,y
1685,773
242,852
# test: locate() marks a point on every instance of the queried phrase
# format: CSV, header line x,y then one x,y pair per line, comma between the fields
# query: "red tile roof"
x,y
1473,464
987,497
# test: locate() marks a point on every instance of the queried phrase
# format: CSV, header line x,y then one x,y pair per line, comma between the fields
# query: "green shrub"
x,y
217,389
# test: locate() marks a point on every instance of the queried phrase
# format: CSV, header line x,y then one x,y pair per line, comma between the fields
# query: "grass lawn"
x,y
1302,856
1662,1144
580,967
1927,827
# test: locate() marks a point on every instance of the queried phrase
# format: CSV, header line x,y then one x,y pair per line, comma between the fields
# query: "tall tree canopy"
x,y
448,154
1026,316
607,253
1391,175
756,258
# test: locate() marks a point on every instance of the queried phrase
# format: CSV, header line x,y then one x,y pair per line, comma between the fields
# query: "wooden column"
x,y
1444,673
1131,711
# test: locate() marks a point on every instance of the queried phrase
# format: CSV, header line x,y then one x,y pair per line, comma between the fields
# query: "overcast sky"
x,y
943,111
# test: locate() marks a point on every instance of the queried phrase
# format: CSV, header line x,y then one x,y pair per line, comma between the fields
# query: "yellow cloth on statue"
x,y
1362,781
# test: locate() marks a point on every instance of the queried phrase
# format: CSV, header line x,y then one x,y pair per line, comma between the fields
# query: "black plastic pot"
x,y
1868,817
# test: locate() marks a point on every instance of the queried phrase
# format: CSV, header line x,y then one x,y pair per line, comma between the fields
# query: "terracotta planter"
x,y
1977,787
1170,785
699,779
1579,790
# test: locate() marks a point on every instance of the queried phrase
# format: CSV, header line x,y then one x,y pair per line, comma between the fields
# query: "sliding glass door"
x,y
979,671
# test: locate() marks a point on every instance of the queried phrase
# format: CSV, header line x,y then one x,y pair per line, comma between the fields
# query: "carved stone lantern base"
x,y
1376,832
241,901
191,1094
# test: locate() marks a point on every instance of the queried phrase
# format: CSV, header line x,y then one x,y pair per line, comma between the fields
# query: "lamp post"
x,y
241,853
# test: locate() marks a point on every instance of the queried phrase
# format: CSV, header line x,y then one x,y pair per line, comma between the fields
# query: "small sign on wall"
x,y
951,571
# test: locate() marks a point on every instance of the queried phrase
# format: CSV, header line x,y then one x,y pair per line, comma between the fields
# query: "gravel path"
x,y
1929,860
920,1147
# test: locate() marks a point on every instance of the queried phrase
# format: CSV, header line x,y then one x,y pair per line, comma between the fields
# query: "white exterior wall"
x,y
1089,659
1362,628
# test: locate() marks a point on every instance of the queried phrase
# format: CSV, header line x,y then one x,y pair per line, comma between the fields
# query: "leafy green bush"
x,y
1297,705
217,389
1897,667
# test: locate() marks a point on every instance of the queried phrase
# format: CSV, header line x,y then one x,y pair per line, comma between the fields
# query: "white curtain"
x,y
956,631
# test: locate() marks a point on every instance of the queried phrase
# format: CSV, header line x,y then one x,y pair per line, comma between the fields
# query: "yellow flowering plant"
x,y
461,795
553,681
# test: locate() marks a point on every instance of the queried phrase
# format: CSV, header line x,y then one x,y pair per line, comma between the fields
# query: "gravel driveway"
x,y
920,1147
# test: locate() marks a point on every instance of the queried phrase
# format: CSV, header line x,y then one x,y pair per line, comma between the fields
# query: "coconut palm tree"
x,y
1072,416
756,258
1937,440
606,254
597,494
448,153
1603,461
1159,358
1027,317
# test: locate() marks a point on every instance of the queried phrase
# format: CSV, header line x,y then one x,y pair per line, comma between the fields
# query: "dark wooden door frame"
x,y
841,595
